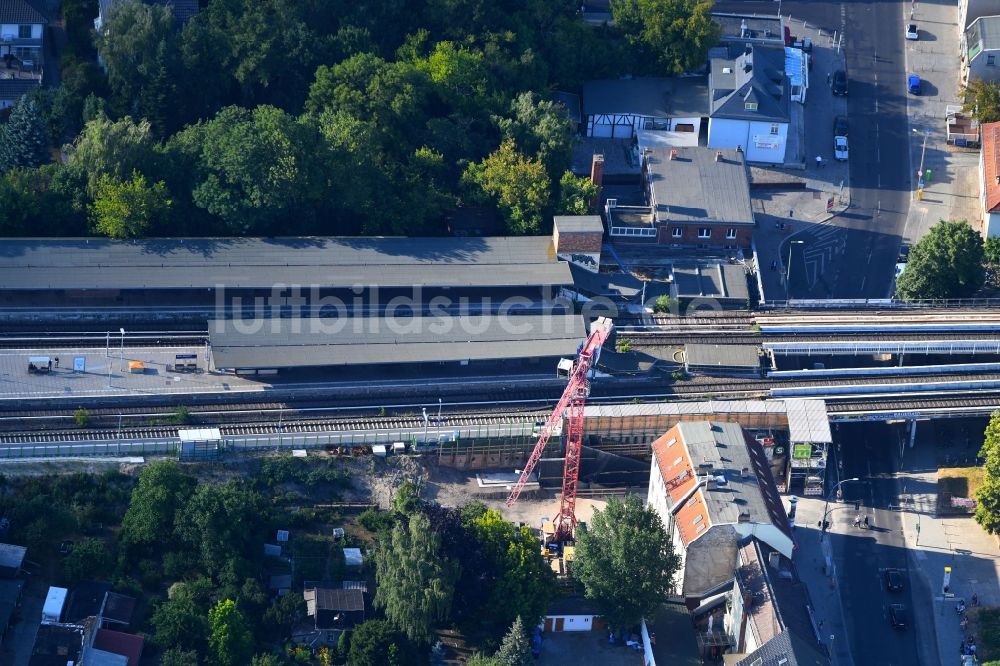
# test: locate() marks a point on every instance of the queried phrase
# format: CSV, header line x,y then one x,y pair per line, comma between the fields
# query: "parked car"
x,y
838,83
893,580
913,84
904,254
840,126
897,616
840,148
912,32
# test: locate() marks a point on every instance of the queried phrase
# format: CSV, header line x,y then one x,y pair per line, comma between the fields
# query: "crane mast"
x,y
571,404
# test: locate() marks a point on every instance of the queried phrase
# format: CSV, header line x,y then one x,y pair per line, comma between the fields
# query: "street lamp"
x,y
827,503
122,357
923,152
788,268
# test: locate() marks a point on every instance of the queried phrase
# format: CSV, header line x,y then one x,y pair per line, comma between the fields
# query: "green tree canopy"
x,y
24,140
180,623
230,642
576,194
946,263
375,643
988,494
415,579
407,498
90,559
991,251
162,490
222,523
178,657
676,34
128,209
254,169
541,128
982,100
114,148
625,542
517,581
518,186
515,650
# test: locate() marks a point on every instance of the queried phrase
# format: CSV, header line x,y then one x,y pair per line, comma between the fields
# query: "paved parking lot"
x,y
585,647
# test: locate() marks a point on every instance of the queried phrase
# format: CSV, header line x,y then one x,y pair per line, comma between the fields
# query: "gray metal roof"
x,y
333,599
680,408
13,89
808,422
11,556
723,356
727,448
985,31
20,11
290,343
694,187
678,97
578,223
749,27
749,76
204,263
715,280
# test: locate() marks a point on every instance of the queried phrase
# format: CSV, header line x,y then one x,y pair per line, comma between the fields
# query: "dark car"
x,y
904,254
838,84
913,84
893,580
840,126
897,616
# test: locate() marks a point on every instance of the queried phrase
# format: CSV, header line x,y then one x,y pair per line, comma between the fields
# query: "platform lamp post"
x,y
122,354
920,171
827,503
788,268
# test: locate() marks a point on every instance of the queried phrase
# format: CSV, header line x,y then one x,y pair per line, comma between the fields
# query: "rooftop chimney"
x,y
673,153
597,178
745,473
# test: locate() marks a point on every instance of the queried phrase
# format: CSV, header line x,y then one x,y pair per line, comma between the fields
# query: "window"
x,y
24,32
699,529
679,460
731,233
991,60
699,519
673,440
774,128
750,106
704,232
677,232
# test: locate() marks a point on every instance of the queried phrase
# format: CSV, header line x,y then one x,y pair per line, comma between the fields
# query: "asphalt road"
x,y
869,452
879,156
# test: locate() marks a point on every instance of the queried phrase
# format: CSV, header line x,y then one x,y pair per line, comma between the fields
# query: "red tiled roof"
x,y
128,645
675,464
991,166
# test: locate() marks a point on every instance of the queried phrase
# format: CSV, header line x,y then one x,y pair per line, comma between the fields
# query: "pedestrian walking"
x,y
857,520
866,522
975,599
819,162
774,265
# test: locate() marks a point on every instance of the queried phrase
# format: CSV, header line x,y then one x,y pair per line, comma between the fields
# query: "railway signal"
x,y
571,403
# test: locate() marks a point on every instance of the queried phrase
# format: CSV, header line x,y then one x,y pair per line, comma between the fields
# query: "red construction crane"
x,y
573,399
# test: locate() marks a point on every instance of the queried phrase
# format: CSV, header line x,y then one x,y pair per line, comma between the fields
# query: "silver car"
x,y
840,148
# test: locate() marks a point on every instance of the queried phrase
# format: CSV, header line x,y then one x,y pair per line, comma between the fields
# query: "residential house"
x,y
57,645
653,111
182,9
981,50
750,101
114,646
970,10
698,198
22,39
572,614
989,179
711,485
85,600
334,608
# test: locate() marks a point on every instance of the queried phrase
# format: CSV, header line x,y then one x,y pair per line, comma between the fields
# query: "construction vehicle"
x,y
571,404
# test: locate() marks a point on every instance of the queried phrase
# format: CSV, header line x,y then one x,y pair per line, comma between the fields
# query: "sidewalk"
x,y
952,192
956,542
812,563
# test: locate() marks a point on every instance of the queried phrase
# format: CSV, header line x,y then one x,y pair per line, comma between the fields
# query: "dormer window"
x,y
750,106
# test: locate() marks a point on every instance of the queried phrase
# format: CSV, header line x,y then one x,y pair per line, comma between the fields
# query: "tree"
x,y
982,100
127,209
515,650
407,498
674,34
415,579
285,614
179,623
946,263
515,578
162,490
625,561
267,659
991,251
114,148
988,494
374,643
178,657
518,186
254,170
89,560
576,194
230,641
82,417
24,140
541,128
221,522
